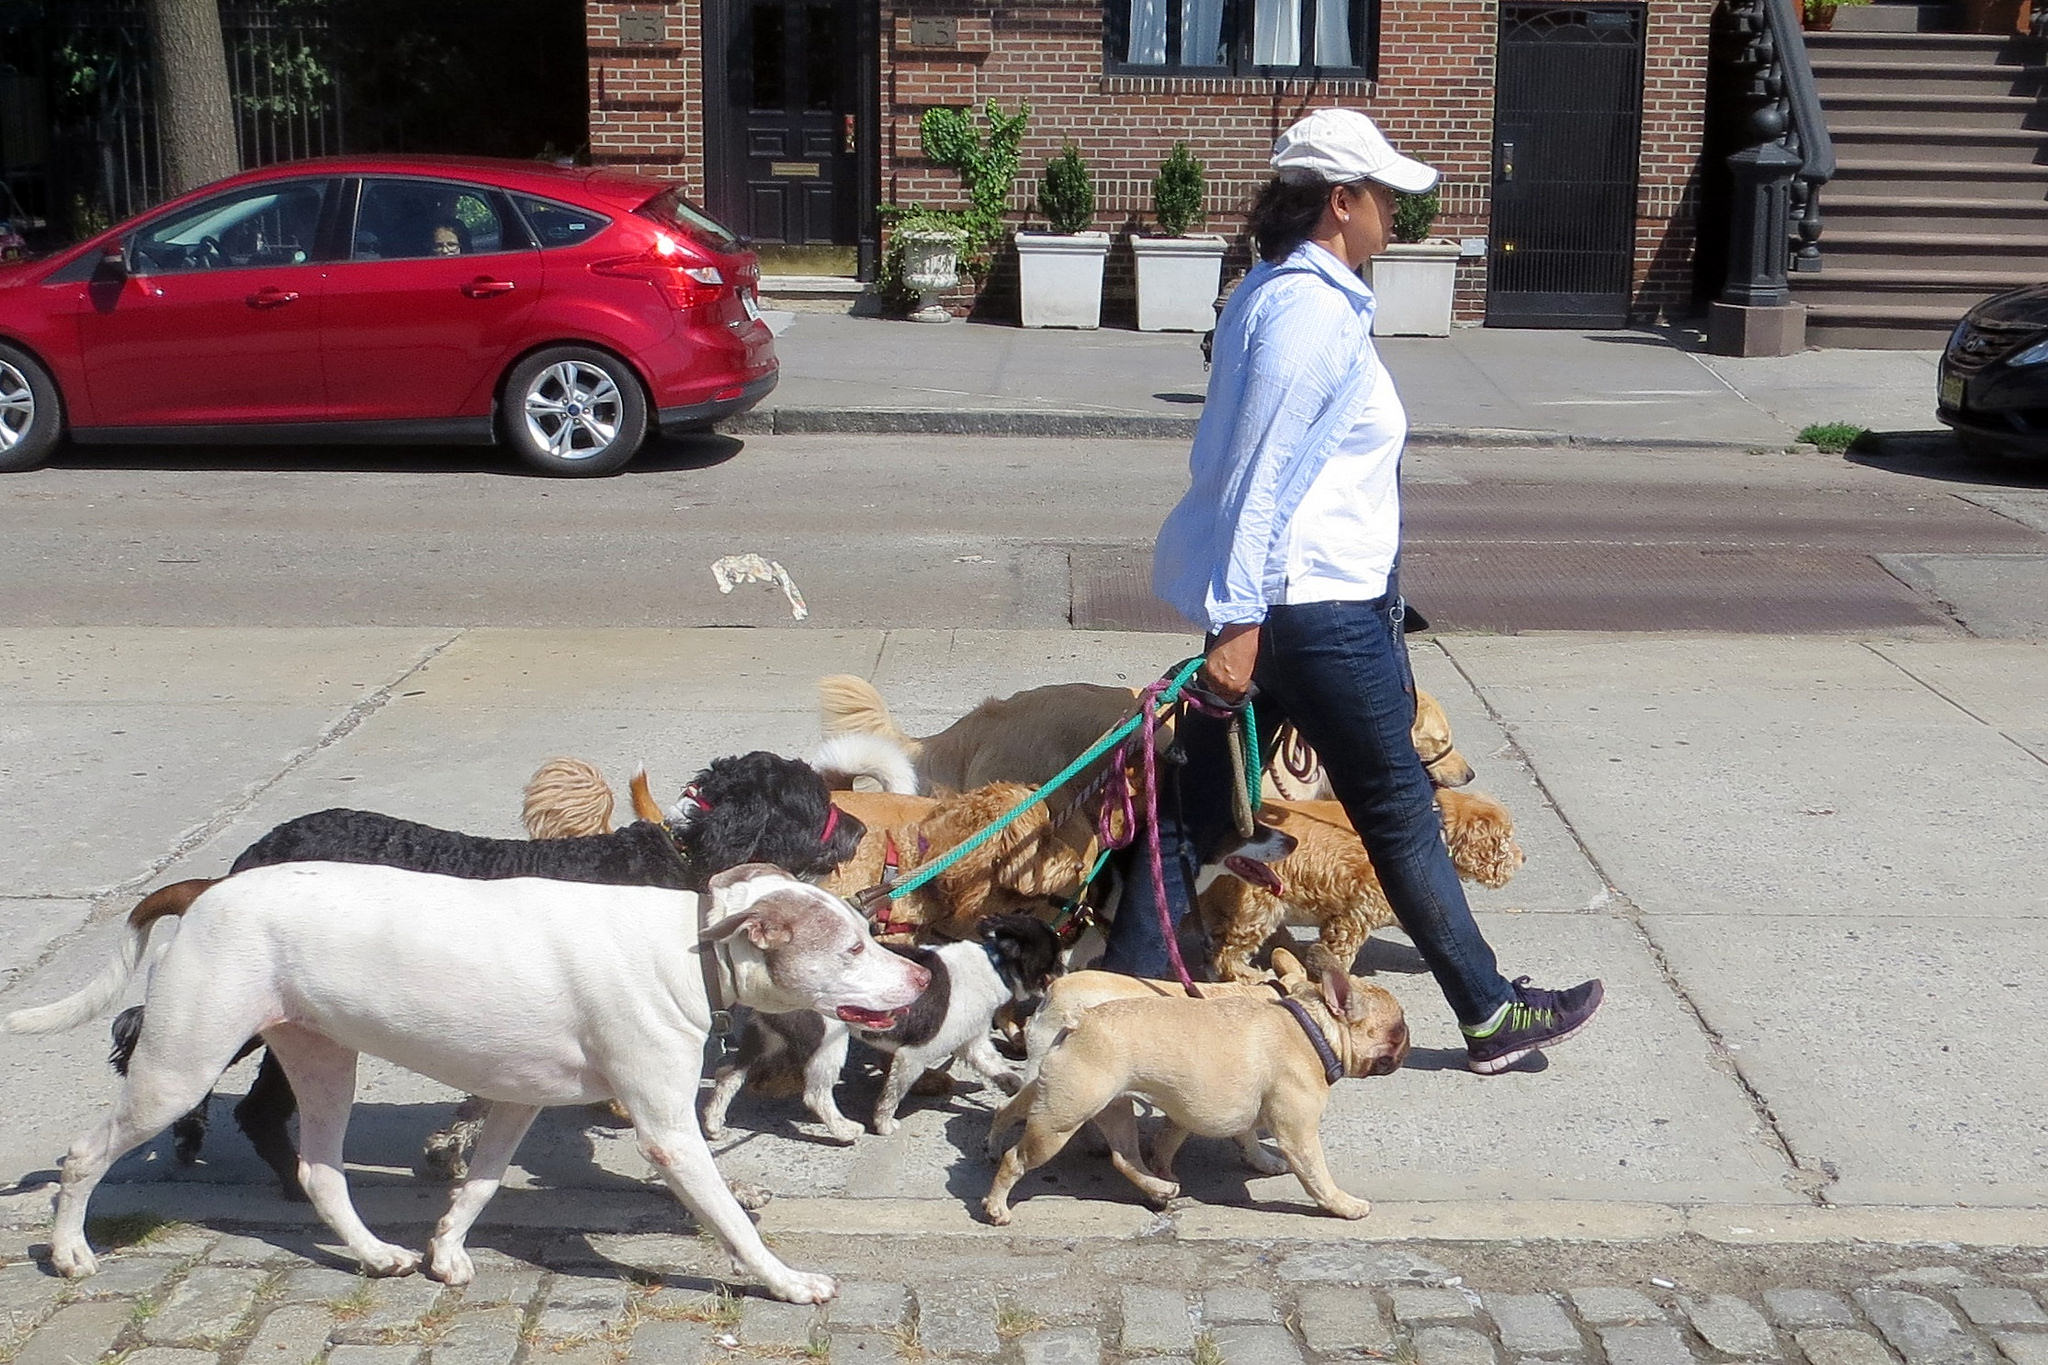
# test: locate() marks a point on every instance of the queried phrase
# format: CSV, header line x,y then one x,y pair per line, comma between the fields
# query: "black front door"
x,y
782,83
1567,135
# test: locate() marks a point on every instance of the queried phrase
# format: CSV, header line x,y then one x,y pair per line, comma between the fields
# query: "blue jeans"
x,y
1338,671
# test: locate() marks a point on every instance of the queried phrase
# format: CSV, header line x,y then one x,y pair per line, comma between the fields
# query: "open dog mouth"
x,y
1261,875
878,1021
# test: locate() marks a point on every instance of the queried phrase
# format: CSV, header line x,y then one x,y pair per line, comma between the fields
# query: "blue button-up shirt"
x,y
1292,369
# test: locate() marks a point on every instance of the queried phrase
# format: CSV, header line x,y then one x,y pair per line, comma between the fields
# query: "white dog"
x,y
526,992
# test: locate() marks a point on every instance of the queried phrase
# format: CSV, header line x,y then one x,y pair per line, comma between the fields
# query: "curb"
x,y
801,421
1060,1217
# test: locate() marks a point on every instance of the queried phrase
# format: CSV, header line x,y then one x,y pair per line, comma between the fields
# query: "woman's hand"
x,y
1227,668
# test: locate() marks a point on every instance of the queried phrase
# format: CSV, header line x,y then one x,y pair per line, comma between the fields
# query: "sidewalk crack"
x,y
119,893
1807,1178
1929,684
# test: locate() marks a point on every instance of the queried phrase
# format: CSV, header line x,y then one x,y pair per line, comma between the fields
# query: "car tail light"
x,y
684,275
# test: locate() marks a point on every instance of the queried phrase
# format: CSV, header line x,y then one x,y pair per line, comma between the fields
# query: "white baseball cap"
x,y
1342,146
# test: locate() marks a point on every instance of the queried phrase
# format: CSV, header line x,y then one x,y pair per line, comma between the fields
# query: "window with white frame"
x,y
1241,37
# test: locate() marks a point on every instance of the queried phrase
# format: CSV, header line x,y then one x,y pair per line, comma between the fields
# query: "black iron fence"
x,y
86,73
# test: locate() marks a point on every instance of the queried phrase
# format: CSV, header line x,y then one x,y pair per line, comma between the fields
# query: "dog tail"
x,y
845,758
104,989
565,798
850,705
644,804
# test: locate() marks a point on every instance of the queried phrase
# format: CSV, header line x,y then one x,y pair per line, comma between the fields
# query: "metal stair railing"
x,y
1775,222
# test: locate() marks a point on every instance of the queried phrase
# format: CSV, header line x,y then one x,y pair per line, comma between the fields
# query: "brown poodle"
x,y
1330,882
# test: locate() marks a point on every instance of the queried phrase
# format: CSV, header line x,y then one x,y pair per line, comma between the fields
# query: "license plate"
x,y
747,302
1952,391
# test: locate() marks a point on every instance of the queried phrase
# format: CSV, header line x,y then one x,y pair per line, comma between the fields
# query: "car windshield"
x,y
670,209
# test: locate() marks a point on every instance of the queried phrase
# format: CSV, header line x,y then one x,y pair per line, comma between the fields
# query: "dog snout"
x,y
920,977
1395,1053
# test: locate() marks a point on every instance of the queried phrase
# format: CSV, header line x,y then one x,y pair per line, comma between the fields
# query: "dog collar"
x,y
1333,1070
710,960
831,822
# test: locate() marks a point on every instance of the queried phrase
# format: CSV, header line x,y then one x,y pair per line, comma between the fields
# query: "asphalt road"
x,y
894,531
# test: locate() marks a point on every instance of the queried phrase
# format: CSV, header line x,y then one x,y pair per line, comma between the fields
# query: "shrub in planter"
x,y
1178,273
1059,273
1066,196
1415,215
1178,192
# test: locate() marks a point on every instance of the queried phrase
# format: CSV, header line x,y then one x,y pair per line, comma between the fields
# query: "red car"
x,y
562,311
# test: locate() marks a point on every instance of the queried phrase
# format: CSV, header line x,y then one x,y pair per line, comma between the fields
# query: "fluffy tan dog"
x,y
1043,855
1330,883
1224,1067
1030,736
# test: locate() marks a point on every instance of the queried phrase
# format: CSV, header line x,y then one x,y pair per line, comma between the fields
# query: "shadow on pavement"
x,y
1938,455
661,454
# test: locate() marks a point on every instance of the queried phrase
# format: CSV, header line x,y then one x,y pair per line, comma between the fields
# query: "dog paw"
x,y
450,1264
846,1132
996,1211
1265,1162
1348,1207
750,1196
801,1286
384,1259
1009,1082
443,1158
885,1124
73,1262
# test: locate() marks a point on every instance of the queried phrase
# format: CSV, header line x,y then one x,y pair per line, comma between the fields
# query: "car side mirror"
x,y
113,262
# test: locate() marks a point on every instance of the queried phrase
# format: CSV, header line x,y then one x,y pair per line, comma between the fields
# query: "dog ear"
x,y
768,922
1337,993
1287,968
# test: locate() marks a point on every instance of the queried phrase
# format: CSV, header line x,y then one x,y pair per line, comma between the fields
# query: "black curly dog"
x,y
752,808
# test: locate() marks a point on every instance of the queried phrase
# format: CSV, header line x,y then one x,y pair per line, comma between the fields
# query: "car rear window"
x,y
556,224
670,209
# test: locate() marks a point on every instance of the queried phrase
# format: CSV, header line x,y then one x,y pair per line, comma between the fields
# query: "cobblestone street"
x,y
178,1295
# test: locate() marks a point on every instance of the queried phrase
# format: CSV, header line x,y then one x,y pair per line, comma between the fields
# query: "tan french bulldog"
x,y
1218,1067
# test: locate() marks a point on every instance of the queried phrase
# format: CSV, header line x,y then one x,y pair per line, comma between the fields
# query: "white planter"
x,y
931,262
1177,282
1412,285
1061,278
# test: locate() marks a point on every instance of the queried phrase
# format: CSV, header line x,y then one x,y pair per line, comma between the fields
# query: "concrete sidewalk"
x,y
1795,861
1476,386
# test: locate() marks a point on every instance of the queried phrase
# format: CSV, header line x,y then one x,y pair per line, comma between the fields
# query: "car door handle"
x,y
484,287
270,296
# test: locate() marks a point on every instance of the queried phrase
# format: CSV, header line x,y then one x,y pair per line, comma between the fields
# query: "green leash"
x,y
1094,751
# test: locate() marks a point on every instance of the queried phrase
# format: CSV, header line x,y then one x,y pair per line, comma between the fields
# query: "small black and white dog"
x,y
749,808
1014,960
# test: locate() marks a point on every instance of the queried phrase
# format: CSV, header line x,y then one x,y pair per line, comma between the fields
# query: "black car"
x,y
1994,375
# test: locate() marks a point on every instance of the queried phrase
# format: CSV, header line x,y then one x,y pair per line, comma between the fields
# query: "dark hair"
x,y
1285,213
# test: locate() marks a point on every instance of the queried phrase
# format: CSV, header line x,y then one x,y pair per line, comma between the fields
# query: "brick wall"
x,y
646,88
1434,98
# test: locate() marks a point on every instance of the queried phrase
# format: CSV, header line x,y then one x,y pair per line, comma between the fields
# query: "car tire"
x,y
31,411
573,411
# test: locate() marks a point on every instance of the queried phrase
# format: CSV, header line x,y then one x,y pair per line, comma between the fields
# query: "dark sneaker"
x,y
1535,1019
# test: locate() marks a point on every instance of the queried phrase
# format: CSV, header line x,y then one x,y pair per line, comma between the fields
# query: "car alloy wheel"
x,y
573,410
17,408
31,413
